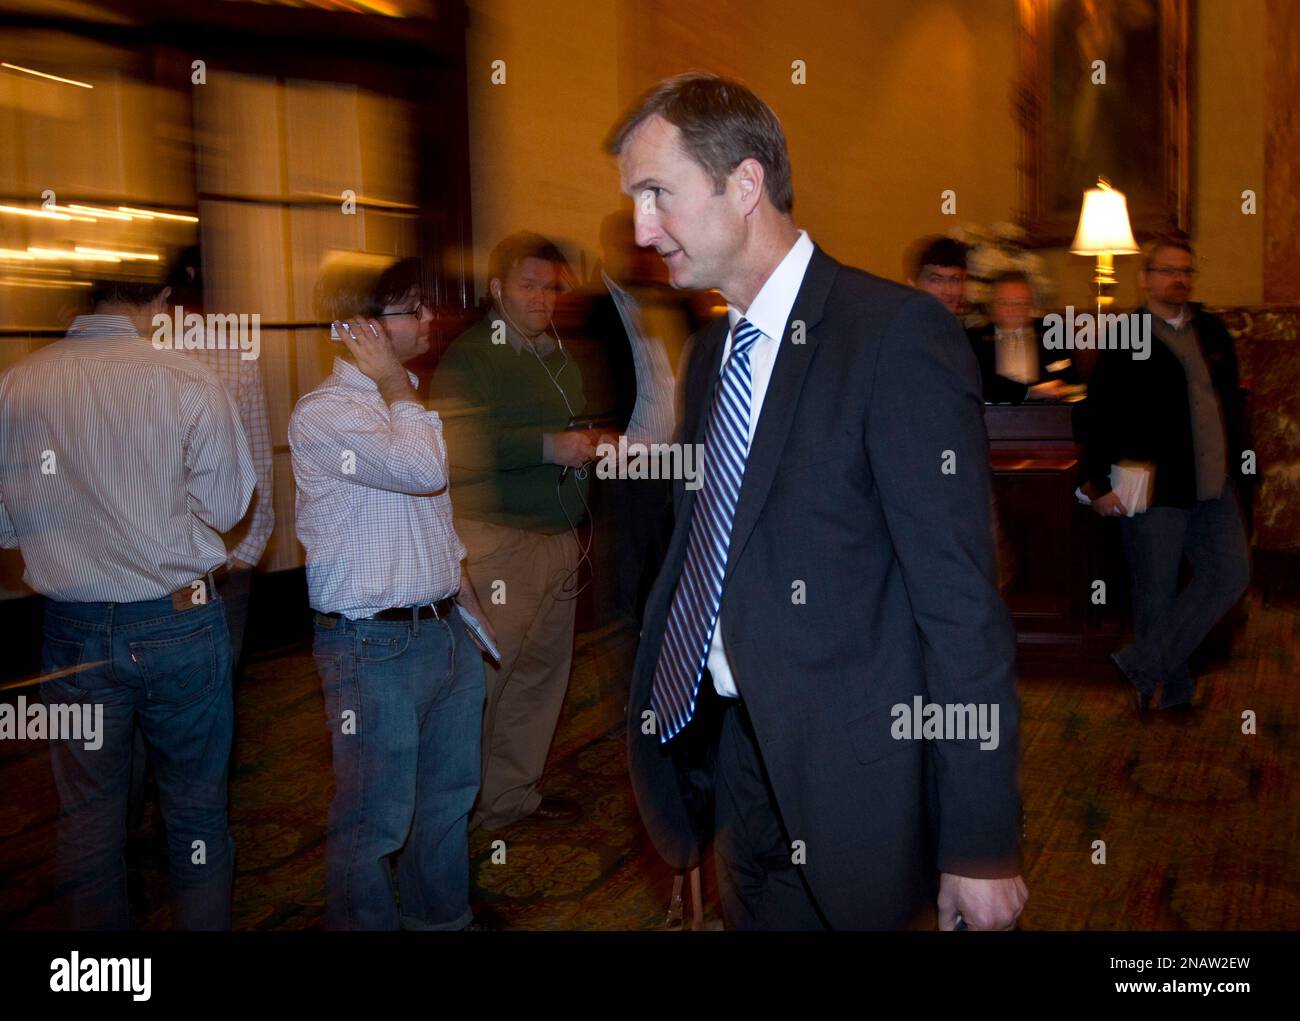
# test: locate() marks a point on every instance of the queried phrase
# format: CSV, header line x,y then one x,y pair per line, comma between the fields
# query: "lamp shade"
x,y
1103,224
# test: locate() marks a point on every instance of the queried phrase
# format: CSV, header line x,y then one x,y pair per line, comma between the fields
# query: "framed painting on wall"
x,y
1104,92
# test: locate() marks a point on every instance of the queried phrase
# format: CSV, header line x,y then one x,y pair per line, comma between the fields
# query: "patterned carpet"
x,y
1199,821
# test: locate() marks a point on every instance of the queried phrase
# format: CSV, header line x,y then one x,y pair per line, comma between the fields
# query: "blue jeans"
x,y
170,670
403,705
234,590
1170,624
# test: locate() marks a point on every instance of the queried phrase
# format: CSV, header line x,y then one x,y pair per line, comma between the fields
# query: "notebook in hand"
x,y
1133,482
480,635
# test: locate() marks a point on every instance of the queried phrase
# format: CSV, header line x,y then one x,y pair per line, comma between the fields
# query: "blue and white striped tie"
x,y
694,611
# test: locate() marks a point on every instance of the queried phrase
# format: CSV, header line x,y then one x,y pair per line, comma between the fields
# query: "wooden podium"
x,y
1060,550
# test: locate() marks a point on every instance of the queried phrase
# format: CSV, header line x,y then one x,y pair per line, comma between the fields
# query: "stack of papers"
x,y
1132,482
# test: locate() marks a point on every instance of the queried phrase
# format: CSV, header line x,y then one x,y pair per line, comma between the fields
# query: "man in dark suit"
x,y
1181,411
834,572
1014,362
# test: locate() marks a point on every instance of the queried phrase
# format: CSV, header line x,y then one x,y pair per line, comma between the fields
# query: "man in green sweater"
x,y
506,390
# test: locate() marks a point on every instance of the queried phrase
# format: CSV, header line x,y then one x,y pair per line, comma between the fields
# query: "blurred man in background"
x,y
121,465
644,325
937,265
1181,413
508,391
1014,362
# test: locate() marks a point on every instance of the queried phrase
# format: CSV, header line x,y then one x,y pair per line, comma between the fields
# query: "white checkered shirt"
x,y
247,541
373,509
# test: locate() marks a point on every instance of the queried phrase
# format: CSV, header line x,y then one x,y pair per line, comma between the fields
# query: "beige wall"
x,y
904,98
1229,126
535,159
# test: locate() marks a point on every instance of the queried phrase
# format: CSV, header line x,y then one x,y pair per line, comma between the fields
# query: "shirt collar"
x,y
771,307
349,375
1178,322
102,326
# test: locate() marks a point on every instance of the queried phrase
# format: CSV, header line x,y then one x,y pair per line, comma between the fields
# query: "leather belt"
x,y
199,592
398,614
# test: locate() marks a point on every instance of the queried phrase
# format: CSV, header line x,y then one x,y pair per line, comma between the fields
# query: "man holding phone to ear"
x,y
401,672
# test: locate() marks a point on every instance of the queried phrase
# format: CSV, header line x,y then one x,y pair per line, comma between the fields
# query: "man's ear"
x,y
749,180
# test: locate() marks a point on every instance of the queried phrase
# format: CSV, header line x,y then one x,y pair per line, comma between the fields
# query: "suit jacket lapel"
x,y
780,401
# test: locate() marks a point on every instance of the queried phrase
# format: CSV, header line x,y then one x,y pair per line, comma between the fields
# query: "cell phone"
x,y
588,423
336,336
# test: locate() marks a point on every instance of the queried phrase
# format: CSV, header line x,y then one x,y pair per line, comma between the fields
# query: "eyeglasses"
x,y
417,311
1173,271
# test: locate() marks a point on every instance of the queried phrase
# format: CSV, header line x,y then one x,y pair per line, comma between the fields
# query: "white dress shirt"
x,y
120,465
373,510
769,312
1016,354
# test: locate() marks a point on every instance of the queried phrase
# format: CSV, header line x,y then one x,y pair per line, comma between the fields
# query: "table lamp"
x,y
1104,231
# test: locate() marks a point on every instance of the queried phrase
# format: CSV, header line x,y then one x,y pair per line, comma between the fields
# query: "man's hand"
x,y
1048,389
373,350
1110,505
572,448
982,903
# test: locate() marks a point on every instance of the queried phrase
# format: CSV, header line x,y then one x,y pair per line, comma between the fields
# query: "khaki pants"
x,y
521,580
